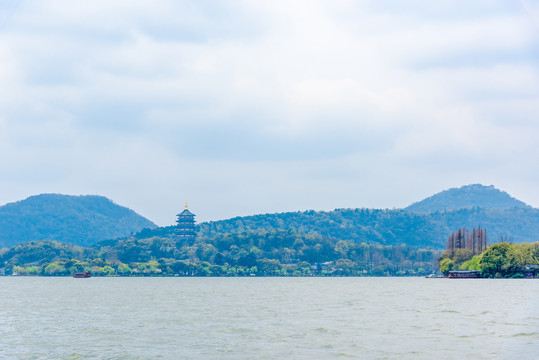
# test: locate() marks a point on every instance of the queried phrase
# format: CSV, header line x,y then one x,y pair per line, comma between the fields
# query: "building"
x,y
531,271
185,230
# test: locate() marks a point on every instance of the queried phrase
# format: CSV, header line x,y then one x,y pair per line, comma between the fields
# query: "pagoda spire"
x,y
186,205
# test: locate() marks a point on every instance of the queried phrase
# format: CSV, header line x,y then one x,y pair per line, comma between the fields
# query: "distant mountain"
x,y
468,196
375,226
81,220
87,220
427,223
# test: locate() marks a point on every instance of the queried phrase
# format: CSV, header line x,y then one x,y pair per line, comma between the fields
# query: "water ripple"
x,y
266,318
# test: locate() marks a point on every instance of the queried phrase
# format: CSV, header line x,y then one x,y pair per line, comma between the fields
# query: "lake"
x,y
268,318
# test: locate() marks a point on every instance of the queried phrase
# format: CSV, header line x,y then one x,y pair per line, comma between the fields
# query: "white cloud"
x,y
266,105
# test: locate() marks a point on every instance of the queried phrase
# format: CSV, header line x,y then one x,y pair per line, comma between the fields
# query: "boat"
x,y
468,274
85,274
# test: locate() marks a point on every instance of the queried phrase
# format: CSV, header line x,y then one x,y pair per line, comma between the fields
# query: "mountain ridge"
x,y
467,196
77,219
451,209
427,224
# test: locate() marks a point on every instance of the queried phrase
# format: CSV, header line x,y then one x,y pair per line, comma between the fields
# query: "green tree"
x,y
19,270
495,261
446,265
268,266
55,269
472,264
123,269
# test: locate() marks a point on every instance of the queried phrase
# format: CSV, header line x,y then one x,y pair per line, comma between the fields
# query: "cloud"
x,y
248,105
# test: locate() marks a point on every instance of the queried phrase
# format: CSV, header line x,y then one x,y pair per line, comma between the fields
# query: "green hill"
x,y
328,243
390,227
80,220
468,196
86,220
501,215
374,226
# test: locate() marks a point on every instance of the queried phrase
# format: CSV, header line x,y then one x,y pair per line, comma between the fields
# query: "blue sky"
x,y
247,107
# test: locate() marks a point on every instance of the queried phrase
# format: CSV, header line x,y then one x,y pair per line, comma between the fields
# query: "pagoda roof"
x,y
186,213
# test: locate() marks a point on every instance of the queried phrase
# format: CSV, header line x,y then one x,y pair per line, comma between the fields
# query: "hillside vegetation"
x,y
468,196
502,216
85,220
392,227
81,220
342,242
389,227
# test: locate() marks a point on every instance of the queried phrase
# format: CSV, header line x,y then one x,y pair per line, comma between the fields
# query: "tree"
x,y
268,266
446,265
54,269
477,241
495,261
123,269
219,259
247,260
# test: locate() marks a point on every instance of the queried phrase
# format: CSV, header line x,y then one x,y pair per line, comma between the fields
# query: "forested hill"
x,y
80,220
501,215
372,226
85,220
468,196
390,227
327,243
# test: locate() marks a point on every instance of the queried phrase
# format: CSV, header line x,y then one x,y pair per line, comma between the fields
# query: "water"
x,y
268,318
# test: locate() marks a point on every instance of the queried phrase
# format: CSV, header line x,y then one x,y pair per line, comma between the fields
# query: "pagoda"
x,y
185,230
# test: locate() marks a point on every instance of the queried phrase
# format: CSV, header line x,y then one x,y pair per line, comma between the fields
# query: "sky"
x,y
250,107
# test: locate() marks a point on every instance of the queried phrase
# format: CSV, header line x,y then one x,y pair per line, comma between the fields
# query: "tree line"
x,y
474,241
261,253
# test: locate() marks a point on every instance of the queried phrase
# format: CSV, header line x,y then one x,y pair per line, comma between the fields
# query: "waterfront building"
x,y
185,228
